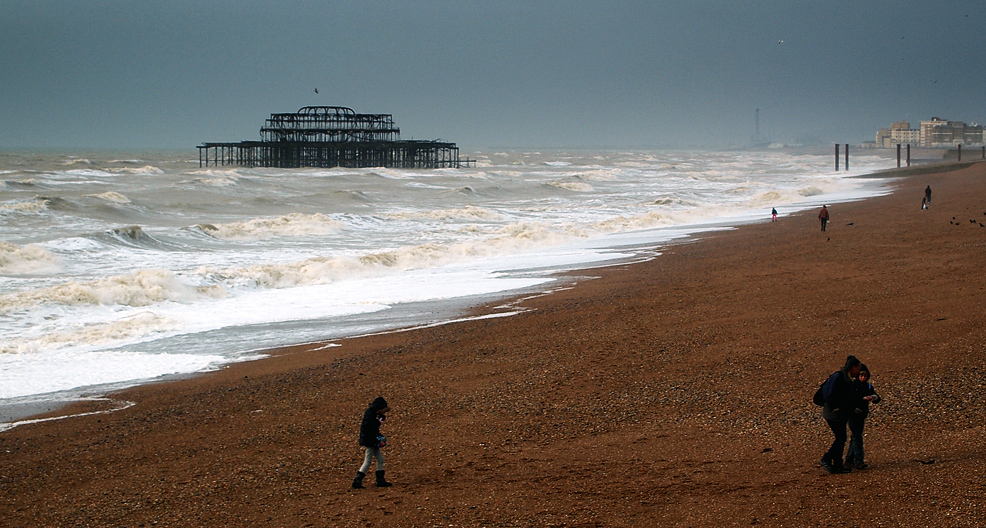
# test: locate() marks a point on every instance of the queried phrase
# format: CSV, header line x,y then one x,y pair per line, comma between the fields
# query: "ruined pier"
x,y
332,136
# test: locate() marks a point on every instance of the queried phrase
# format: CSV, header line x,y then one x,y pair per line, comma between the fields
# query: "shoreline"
x,y
65,402
625,400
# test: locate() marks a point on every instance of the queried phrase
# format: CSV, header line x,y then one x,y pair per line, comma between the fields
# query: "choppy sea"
x,y
117,268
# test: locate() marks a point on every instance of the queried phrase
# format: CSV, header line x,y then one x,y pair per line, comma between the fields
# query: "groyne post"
x,y
898,155
908,154
836,157
847,156
960,152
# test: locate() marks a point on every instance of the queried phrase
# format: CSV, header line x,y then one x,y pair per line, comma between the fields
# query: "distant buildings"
x,y
935,133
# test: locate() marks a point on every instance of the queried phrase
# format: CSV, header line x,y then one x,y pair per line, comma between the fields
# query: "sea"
x,y
123,268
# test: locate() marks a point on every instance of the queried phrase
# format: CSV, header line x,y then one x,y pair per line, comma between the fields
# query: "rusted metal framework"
x,y
332,136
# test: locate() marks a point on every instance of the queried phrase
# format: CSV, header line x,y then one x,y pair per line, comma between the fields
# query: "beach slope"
x,y
675,392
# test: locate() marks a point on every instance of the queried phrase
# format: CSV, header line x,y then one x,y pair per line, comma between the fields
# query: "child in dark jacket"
x,y
372,441
865,394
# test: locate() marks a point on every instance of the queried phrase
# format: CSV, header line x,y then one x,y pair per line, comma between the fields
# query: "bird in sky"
x,y
316,90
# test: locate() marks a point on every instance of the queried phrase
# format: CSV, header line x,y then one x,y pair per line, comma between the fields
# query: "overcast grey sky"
x,y
485,74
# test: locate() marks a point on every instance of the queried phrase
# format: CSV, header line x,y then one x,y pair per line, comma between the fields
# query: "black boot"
x,y
382,482
358,481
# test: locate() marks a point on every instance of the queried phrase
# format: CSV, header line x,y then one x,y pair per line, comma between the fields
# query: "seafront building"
x,y
933,133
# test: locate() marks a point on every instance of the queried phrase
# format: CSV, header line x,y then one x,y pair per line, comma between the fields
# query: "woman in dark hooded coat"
x,y
372,441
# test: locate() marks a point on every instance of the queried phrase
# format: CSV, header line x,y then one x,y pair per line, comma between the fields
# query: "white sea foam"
x,y
147,169
125,329
216,178
506,240
29,259
26,374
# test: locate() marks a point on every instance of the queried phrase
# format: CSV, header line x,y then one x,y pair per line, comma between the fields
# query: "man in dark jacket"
x,y
840,402
372,441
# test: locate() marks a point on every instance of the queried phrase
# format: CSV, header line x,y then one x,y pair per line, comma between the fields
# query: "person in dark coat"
x,y
372,442
840,402
865,394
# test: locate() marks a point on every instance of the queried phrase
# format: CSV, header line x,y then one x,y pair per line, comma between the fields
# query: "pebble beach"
x,y
672,392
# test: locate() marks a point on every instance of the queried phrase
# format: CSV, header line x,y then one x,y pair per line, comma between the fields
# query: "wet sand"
x,y
675,392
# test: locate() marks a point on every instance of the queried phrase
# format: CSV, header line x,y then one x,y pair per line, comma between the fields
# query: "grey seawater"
x,y
213,233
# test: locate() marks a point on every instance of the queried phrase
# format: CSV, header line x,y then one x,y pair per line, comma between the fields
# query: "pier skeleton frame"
x,y
332,136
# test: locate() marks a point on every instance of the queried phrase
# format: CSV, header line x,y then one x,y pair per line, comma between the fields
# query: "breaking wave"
x,y
25,260
324,270
37,205
143,288
572,186
294,224
463,213
110,196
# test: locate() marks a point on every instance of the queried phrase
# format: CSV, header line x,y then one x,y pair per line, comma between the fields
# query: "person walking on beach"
x,y
927,194
372,442
865,394
823,216
840,402
773,214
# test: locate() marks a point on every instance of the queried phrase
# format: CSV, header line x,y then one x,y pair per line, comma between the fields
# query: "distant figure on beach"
x,y
924,203
840,402
773,214
372,442
865,394
823,216
927,194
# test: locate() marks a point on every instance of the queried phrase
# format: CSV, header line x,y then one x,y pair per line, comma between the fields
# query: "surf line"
x,y
122,405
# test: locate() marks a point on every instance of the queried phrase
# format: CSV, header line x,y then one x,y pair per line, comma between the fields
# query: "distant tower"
x,y
757,139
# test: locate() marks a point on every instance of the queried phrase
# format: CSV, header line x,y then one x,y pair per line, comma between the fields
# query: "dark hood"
x,y
378,404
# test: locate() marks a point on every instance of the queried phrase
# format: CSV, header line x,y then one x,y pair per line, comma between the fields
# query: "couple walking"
x,y
847,395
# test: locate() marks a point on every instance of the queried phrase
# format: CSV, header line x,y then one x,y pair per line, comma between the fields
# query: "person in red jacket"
x,y
823,216
372,441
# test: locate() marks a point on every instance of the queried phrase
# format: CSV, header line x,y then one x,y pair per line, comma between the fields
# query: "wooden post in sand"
x,y
960,151
847,156
908,154
836,157
898,155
